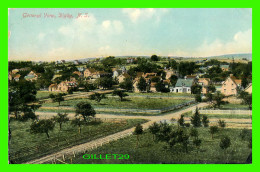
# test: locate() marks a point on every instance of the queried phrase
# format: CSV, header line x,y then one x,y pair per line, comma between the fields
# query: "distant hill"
x,y
236,56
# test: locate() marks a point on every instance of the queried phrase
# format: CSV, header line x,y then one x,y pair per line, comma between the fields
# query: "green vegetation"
x,y
128,103
208,151
220,116
25,146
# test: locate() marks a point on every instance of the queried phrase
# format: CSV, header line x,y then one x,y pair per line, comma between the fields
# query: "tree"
x,y
194,133
181,121
160,87
209,97
154,129
225,142
85,110
205,121
20,94
142,85
173,80
244,82
138,131
105,82
213,130
196,89
196,119
127,84
246,99
78,122
221,123
197,143
198,98
211,88
58,97
97,97
218,99
42,126
154,58
119,93
61,118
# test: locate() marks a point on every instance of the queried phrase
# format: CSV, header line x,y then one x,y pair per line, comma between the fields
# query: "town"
x,y
188,107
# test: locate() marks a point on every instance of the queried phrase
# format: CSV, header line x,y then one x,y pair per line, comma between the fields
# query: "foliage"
x,y
42,126
196,118
160,87
97,97
218,99
61,118
138,131
221,123
85,110
225,142
194,133
120,93
127,84
154,58
213,130
247,99
198,98
196,89
142,85
78,122
181,121
154,129
205,121
57,97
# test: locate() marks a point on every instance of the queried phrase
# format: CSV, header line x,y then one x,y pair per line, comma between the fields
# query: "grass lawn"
x,y
162,94
44,94
234,106
159,152
222,116
128,103
25,146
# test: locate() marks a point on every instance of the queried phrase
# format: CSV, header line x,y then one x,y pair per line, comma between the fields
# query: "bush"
x,y
225,142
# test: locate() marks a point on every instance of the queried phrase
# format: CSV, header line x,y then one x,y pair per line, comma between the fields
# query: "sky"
x,y
49,34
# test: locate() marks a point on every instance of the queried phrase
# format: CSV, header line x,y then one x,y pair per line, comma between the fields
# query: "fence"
x,y
236,112
59,143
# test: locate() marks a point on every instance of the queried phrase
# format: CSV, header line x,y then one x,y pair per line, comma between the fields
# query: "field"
x,y
44,94
234,106
20,151
128,103
150,151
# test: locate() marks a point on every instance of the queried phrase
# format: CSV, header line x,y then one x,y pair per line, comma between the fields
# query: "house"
x,y
169,73
136,81
152,87
204,82
249,88
230,85
81,69
78,73
53,87
89,72
116,73
32,76
122,77
76,62
183,85
17,77
224,67
14,71
25,69
129,60
64,86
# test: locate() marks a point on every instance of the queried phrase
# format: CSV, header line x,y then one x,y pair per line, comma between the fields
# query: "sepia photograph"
x,y
129,86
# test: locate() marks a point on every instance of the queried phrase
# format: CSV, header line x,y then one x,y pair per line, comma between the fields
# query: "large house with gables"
x,y
230,85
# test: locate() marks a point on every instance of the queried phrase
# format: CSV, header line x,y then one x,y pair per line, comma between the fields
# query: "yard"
x,y
25,146
159,153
